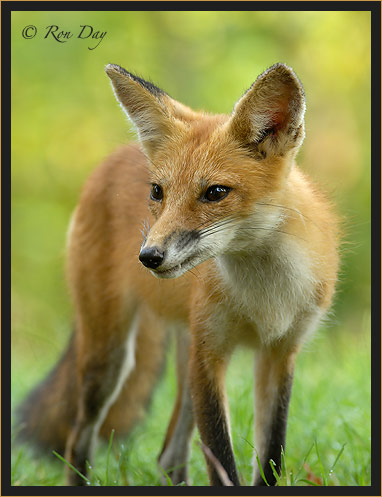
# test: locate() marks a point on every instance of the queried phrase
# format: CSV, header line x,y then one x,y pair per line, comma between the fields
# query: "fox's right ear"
x,y
144,104
269,117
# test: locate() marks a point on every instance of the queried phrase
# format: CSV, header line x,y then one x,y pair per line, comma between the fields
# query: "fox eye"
x,y
156,192
216,193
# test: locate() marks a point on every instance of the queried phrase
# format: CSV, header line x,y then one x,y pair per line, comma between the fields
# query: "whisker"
x,y
208,221
220,227
202,224
276,230
216,226
291,209
213,231
229,218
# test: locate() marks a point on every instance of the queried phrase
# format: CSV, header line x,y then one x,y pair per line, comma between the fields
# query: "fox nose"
x,y
151,257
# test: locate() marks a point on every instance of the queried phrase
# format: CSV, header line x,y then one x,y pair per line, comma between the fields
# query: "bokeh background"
x,y
65,120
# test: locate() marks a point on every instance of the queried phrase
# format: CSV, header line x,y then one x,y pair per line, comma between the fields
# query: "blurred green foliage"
x,y
65,120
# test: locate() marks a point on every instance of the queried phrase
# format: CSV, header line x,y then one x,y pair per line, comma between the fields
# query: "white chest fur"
x,y
271,287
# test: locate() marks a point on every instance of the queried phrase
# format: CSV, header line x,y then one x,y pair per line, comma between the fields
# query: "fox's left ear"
x,y
269,118
145,104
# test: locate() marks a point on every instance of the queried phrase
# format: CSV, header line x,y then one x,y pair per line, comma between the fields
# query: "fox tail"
x,y
47,415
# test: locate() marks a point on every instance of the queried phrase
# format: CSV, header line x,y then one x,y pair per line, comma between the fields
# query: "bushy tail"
x,y
47,415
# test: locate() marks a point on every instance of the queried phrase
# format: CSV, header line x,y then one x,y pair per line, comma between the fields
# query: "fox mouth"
x,y
178,269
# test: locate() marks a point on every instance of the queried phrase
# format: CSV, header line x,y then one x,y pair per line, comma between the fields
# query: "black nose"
x,y
151,257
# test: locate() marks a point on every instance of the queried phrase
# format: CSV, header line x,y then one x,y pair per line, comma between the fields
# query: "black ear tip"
x,y
279,65
281,68
284,73
113,71
111,67
115,68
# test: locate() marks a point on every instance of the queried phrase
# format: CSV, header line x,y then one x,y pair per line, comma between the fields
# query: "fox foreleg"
x,y
273,384
211,411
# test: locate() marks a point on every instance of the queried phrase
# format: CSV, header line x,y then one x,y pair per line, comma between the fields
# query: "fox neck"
x,y
269,284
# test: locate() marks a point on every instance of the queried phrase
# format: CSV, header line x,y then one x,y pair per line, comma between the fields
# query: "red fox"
x,y
239,248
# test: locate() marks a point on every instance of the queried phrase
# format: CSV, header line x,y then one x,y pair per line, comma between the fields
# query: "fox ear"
x,y
269,118
144,104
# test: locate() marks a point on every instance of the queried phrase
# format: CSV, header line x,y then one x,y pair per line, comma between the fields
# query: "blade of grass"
x,y
168,479
274,471
71,467
284,466
16,465
249,443
261,469
108,457
122,466
304,461
336,459
324,479
338,456
292,480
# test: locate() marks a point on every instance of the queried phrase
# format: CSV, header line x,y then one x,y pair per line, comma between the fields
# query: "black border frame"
x,y
7,7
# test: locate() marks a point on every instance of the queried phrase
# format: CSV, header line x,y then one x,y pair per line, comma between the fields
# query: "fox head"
x,y
210,175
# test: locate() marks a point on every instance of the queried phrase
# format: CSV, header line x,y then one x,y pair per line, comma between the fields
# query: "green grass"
x,y
328,440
